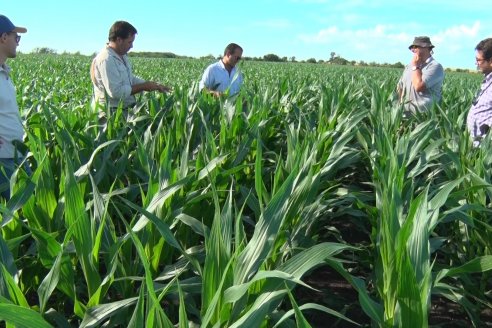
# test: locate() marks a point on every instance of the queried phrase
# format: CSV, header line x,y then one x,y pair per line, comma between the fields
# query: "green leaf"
x,y
13,292
21,317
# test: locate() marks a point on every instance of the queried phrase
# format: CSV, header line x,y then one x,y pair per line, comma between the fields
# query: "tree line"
x,y
334,58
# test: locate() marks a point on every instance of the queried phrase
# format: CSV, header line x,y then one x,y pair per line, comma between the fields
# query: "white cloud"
x,y
458,32
371,36
389,43
390,35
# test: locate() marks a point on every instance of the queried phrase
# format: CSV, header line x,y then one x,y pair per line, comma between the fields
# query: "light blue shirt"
x,y
11,127
432,76
217,78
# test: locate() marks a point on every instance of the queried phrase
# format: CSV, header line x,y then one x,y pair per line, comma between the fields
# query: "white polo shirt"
x,y
217,78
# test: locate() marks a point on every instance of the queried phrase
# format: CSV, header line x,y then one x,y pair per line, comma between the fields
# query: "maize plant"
x,y
195,211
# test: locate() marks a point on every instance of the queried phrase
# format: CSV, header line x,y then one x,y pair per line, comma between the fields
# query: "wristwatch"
x,y
414,68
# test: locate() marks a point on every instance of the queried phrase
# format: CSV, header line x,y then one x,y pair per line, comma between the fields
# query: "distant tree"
x,y
339,61
272,58
153,54
332,56
311,60
398,65
77,53
209,56
44,51
293,59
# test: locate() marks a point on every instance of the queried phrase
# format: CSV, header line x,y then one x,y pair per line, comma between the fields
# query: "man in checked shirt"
x,y
479,117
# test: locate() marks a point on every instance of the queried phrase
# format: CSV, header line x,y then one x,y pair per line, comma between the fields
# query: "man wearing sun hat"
x,y
11,128
420,85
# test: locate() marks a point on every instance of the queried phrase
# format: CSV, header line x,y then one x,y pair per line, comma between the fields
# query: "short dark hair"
x,y
485,46
121,29
231,47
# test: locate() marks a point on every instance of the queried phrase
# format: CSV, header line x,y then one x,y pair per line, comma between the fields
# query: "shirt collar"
x,y
223,66
487,78
5,68
113,53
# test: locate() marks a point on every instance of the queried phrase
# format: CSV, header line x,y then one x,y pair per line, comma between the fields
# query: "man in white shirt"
x,y
111,71
223,77
11,128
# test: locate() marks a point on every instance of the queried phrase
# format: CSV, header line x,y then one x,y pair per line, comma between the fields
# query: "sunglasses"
x,y
17,37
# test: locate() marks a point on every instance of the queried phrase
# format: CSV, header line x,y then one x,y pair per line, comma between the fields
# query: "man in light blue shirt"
x,y
420,86
11,128
223,77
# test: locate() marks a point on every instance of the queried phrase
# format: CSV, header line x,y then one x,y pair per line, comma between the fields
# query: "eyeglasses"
x,y
414,47
17,36
479,60
238,58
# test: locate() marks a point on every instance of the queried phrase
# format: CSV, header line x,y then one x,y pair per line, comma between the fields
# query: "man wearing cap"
x,y
479,117
420,85
11,128
111,71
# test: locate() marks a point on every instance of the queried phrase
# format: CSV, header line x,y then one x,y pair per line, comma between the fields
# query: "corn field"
x,y
194,211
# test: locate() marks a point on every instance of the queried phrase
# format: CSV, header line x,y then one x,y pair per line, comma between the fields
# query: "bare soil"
x,y
336,293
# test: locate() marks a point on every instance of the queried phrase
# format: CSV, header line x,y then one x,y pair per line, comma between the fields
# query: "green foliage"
x,y
190,210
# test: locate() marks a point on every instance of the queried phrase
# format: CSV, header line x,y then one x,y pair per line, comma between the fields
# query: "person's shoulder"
x,y
440,68
104,54
434,62
213,67
217,64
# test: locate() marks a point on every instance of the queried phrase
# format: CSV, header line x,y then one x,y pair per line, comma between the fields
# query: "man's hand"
x,y
416,59
216,94
154,86
484,129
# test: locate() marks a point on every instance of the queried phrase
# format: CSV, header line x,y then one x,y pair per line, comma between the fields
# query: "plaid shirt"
x,y
480,114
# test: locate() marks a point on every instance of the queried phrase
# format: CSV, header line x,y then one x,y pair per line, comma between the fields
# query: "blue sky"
x,y
365,30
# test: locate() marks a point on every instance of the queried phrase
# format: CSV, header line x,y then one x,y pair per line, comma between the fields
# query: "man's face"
x,y
124,45
483,65
420,51
234,58
10,41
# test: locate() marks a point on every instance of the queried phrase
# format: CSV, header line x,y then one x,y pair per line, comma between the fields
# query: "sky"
x,y
362,30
